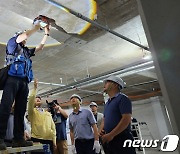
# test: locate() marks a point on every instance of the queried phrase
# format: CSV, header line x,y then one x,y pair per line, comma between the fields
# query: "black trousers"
x,y
116,145
84,146
16,89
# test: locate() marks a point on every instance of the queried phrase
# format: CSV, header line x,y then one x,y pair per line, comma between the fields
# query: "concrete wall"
x,y
152,112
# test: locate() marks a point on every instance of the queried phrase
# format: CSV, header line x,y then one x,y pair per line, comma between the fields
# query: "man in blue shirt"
x,y
61,135
16,87
83,129
117,118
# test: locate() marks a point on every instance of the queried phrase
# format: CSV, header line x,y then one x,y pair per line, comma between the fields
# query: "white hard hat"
x,y
93,104
117,80
76,96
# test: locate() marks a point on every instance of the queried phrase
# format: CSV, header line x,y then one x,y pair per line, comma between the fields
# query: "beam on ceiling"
x,y
99,78
56,4
148,74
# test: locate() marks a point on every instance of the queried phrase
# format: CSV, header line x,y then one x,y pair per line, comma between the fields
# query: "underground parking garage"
x,y
87,42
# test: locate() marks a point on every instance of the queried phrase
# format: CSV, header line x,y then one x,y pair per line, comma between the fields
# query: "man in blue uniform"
x,y
117,118
16,87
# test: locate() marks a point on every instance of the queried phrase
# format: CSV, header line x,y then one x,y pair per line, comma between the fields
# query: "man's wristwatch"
x,y
46,34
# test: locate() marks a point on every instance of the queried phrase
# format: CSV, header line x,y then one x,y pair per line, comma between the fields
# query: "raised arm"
x,y
41,45
63,112
27,33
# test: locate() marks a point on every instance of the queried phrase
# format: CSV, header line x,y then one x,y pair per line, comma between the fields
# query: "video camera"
x,y
52,110
51,106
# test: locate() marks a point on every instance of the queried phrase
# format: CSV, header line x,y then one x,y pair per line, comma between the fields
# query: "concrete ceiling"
x,y
78,63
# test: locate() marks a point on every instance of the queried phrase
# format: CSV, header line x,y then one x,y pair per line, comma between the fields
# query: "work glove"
x,y
41,20
41,23
36,21
96,146
74,149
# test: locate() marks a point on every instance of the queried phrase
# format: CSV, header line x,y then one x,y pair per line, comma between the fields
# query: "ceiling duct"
x,y
56,4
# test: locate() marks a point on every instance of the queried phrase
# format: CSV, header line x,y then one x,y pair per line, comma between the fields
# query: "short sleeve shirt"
x,y
114,108
81,124
61,128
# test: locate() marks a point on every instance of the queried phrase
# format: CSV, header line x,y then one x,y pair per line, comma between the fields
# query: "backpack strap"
x,y
15,51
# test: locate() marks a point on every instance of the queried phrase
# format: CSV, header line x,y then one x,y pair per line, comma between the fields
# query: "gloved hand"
x,y
36,22
96,146
74,149
43,24
41,20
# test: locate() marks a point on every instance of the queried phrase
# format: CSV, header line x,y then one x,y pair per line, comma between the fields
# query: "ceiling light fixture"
x,y
52,84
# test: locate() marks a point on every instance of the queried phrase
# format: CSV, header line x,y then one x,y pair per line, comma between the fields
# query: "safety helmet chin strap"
x,y
75,106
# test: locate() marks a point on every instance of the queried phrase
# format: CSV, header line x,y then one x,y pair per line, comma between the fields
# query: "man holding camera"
x,y
42,125
60,118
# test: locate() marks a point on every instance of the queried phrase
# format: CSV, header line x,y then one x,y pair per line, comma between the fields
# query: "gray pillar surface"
x,y
161,21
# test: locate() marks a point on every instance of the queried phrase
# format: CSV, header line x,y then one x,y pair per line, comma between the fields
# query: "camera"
x,y
52,110
51,106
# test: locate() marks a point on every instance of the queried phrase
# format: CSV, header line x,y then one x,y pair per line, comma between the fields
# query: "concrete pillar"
x,y
159,117
161,22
